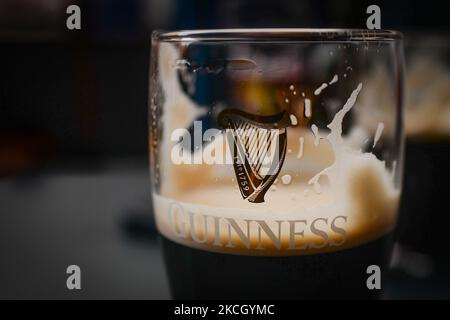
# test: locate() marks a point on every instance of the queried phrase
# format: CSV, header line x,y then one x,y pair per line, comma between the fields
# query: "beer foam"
x,y
215,218
337,196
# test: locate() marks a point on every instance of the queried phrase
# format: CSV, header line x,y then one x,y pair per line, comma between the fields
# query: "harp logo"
x,y
254,145
258,148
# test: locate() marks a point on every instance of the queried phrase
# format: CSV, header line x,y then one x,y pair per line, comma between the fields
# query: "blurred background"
x,y
74,183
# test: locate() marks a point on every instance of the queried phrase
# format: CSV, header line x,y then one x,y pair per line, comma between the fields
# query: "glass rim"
x,y
291,35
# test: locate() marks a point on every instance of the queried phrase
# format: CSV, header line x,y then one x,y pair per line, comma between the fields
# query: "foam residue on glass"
x,y
301,142
344,181
315,131
286,179
324,85
378,133
308,111
294,120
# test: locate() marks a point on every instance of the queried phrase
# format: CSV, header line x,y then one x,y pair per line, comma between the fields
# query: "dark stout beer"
x,y
199,274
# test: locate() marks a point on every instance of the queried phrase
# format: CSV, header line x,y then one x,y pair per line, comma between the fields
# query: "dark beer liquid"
x,y
200,274
425,203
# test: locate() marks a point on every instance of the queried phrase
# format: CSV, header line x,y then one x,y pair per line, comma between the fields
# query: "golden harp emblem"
x,y
258,148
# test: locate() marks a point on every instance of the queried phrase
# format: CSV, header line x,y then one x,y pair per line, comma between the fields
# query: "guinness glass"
x,y
276,160
424,206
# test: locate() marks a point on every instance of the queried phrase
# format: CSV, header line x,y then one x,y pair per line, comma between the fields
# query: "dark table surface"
x,y
72,215
97,214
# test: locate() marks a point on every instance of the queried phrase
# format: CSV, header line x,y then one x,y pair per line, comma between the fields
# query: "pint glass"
x,y
276,160
424,206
